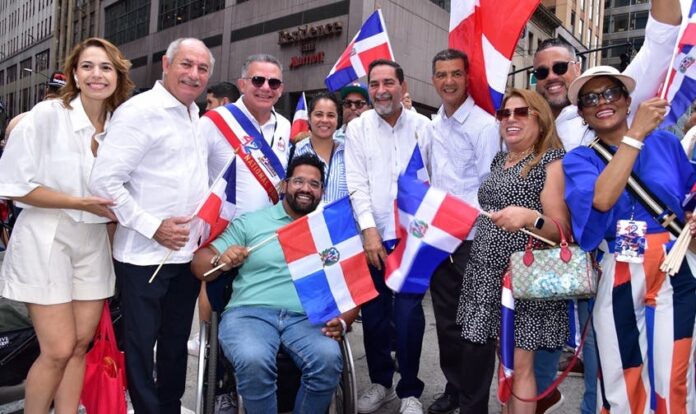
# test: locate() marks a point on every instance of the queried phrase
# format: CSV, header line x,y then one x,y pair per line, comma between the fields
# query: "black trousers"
x,y
477,367
159,312
445,287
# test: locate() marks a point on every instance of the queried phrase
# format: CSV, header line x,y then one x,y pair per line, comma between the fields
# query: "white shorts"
x,y
52,259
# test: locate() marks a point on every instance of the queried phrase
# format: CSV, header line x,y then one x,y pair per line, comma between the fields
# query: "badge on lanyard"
x,y
630,241
281,144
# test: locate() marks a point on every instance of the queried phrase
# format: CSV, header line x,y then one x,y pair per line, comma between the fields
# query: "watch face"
x,y
539,223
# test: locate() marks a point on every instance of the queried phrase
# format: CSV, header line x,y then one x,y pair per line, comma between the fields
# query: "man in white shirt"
x,y
464,141
153,164
555,67
379,145
261,84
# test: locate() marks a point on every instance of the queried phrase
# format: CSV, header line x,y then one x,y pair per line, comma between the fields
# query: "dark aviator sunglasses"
x,y
559,68
258,82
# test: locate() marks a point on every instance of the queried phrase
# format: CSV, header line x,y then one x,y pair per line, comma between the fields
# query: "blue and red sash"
x,y
252,148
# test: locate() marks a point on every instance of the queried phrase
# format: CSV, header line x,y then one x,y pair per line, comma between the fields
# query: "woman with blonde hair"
x,y
523,191
58,261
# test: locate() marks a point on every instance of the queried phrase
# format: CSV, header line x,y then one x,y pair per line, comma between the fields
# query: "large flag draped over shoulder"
x,y
370,43
431,225
327,261
681,82
300,119
488,31
217,209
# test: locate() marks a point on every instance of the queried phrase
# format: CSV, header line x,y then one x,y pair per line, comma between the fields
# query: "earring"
x,y
77,84
584,123
629,112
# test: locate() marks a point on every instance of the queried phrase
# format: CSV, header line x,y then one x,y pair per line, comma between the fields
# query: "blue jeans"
x,y
250,337
545,367
589,359
406,311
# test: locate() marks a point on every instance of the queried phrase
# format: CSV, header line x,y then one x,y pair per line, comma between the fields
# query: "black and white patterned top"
x,y
538,324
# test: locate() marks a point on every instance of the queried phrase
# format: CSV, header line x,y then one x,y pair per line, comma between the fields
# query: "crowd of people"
x,y
108,193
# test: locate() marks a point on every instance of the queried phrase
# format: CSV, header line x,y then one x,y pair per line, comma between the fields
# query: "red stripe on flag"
x,y
689,36
394,259
296,240
216,229
467,38
358,279
455,217
344,60
298,125
378,52
210,211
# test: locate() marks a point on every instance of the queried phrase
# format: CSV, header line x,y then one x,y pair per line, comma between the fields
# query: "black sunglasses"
x,y
258,82
358,104
559,68
521,112
591,99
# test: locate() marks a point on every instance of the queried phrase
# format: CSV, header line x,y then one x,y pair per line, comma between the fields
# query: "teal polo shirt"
x,y
264,278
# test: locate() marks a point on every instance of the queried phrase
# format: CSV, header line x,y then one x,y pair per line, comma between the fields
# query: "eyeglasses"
x,y
258,82
592,99
358,104
521,112
299,182
559,68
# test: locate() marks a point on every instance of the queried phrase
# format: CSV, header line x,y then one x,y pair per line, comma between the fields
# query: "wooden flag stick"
x,y
160,266
525,231
251,249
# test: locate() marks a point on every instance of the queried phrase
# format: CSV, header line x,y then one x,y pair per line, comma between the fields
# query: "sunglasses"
x,y
358,104
592,99
521,112
559,68
258,82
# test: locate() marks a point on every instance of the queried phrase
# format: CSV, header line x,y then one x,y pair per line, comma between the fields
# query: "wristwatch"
x,y
539,222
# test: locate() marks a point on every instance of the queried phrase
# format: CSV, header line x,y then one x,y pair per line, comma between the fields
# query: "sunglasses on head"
x,y
258,82
521,112
559,68
591,99
358,104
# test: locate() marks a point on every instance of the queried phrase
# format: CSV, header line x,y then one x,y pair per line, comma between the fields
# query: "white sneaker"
x,y
375,397
194,345
411,405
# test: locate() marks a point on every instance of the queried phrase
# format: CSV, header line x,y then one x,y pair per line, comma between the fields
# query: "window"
x,y
127,20
25,64
445,4
2,77
621,22
621,3
41,63
173,12
605,52
572,22
582,4
605,25
639,20
580,27
637,43
530,43
590,8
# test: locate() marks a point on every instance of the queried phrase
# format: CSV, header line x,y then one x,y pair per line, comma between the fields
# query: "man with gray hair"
x,y
252,130
153,164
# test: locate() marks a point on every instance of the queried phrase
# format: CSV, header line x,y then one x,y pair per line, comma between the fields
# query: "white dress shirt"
x,y
153,164
251,196
648,68
51,148
376,153
462,149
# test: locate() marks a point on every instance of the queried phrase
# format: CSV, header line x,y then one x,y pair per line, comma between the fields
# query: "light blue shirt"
x,y
264,278
335,186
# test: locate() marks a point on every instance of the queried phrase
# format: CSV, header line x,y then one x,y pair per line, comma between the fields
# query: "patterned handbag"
x,y
557,273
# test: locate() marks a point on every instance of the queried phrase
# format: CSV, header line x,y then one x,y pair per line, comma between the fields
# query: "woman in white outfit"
x,y
58,260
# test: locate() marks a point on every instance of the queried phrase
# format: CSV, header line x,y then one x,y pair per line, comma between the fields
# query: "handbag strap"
x,y
661,213
105,328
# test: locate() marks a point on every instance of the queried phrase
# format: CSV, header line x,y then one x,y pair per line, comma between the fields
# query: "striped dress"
x,y
335,186
643,319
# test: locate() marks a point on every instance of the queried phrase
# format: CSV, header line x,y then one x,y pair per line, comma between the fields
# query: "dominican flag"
x,y
507,342
416,166
681,81
488,31
370,43
327,262
300,120
217,210
431,225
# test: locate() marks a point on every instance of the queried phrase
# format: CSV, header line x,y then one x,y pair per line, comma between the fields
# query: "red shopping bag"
x,y
104,389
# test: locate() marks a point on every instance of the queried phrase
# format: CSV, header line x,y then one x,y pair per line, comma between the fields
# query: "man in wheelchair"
x,y
264,312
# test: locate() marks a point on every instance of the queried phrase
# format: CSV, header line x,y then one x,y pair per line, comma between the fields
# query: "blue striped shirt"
x,y
335,185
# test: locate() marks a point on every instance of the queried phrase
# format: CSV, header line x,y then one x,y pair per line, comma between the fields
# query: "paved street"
x,y
429,373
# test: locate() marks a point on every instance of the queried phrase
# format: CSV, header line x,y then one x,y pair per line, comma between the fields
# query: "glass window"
x,y
2,77
605,25
127,20
637,43
173,12
621,22
25,64
621,3
41,61
639,20
605,52
580,27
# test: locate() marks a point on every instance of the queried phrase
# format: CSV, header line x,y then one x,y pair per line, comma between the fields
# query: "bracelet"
x,y
632,142
215,261
344,326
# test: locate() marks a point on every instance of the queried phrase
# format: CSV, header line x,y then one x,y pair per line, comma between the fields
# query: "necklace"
x,y
514,157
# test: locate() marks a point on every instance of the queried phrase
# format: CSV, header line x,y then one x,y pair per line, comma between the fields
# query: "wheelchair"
x,y
215,373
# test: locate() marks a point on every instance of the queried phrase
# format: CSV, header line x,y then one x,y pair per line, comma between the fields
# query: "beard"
x,y
302,208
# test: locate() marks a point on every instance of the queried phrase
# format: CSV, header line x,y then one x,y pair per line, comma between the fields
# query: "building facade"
x,y
582,20
624,28
26,57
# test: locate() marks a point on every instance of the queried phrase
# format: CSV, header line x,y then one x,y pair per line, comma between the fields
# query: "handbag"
x,y
104,389
557,273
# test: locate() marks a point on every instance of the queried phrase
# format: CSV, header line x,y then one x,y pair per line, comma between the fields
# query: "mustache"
x,y
191,82
383,95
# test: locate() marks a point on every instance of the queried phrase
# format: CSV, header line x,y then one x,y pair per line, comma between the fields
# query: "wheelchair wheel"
x,y
345,399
